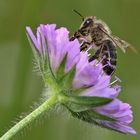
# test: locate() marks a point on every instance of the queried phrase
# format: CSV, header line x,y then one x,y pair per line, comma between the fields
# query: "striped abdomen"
x,y
109,55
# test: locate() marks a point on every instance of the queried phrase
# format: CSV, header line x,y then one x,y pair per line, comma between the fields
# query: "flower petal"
x,y
119,111
117,126
33,38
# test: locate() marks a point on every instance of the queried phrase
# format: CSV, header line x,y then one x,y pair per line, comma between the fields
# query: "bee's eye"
x,y
88,22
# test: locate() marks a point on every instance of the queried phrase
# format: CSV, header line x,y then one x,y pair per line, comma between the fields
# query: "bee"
x,y
95,33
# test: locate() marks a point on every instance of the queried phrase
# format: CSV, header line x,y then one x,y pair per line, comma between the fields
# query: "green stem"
x,y
29,118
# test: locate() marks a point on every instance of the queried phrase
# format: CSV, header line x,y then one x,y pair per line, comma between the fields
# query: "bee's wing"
x,y
123,45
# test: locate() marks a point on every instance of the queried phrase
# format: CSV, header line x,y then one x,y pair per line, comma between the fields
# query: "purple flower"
x,y
54,43
121,112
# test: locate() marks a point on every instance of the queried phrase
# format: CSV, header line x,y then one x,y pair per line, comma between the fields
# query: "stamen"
x,y
88,49
117,79
101,61
105,65
109,63
89,54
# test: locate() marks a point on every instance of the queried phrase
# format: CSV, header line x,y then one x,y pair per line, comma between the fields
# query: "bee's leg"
x,y
96,55
84,46
109,70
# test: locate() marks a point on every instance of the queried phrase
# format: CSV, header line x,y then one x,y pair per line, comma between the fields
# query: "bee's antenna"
x,y
78,14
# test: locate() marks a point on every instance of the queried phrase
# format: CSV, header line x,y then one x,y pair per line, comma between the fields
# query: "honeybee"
x,y
96,33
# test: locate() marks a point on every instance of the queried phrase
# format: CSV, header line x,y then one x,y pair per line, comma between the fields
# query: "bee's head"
x,y
86,25
88,22
85,28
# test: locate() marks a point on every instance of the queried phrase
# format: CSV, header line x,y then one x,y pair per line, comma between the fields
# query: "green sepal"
x,y
99,116
93,118
41,63
40,60
78,107
83,103
80,90
61,70
34,49
67,79
47,64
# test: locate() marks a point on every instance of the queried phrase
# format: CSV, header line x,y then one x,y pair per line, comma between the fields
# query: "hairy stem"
x,y
29,118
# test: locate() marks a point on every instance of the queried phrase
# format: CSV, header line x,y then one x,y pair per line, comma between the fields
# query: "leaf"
x,y
91,116
38,61
94,118
83,103
81,89
34,49
99,116
67,79
61,70
77,107
47,62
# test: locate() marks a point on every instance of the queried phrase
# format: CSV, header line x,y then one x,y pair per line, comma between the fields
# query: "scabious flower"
x,y
88,92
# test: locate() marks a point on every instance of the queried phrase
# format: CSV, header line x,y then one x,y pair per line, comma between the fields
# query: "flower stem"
x,y
29,118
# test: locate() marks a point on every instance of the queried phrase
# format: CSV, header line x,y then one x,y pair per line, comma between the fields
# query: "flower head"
x,y
88,92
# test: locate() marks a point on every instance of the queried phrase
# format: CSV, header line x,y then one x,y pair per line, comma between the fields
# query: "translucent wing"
x,y
123,45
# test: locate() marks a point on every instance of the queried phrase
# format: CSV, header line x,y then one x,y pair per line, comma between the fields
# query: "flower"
x,y
85,83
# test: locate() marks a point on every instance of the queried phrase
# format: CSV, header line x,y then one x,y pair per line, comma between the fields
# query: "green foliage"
x,y
82,103
61,70
93,117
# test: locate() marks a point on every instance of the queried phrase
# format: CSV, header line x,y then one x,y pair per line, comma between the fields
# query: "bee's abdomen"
x,y
110,57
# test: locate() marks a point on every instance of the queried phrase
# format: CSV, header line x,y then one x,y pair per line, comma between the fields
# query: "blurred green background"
x,y
20,87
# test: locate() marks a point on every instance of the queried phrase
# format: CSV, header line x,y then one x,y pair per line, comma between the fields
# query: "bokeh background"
x,y
20,87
